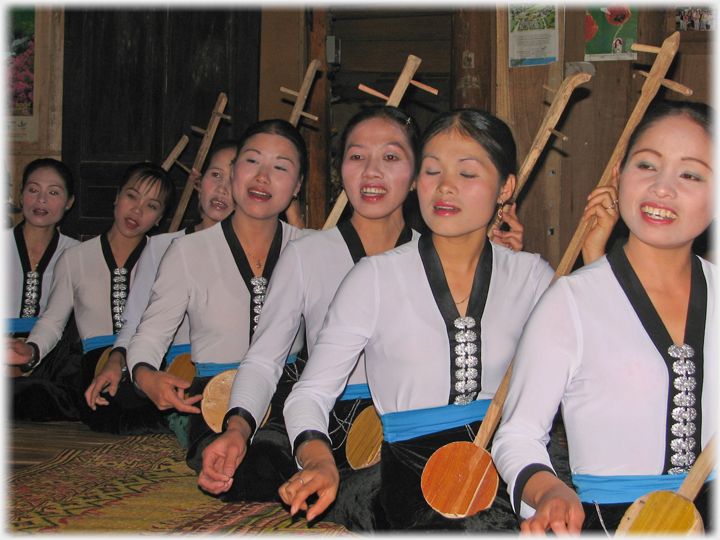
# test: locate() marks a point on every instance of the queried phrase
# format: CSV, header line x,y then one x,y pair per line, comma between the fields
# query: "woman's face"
x,y
458,186
138,208
215,192
266,176
667,186
44,198
377,168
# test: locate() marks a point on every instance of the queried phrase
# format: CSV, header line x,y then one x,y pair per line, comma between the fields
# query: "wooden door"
x,y
135,81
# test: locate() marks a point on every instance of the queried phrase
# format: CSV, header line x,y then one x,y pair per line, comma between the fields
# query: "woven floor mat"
x,y
139,485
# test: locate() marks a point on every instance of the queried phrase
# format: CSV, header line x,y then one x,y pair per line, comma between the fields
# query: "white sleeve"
x,y
49,327
139,296
261,368
169,298
348,326
546,359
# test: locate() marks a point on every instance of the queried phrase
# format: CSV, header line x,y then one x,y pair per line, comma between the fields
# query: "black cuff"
x,y
132,373
34,359
522,479
239,411
121,350
310,435
139,390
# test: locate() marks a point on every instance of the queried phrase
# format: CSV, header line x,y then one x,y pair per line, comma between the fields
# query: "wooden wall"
x,y
375,45
49,46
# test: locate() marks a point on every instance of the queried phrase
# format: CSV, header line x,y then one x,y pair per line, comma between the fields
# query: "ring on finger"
x,y
301,480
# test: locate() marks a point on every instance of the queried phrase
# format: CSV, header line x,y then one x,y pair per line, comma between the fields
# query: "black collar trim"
x,y
655,328
446,304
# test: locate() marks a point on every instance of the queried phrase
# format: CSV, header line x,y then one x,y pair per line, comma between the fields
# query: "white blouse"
x,y
16,276
139,296
386,306
585,349
199,276
83,282
303,284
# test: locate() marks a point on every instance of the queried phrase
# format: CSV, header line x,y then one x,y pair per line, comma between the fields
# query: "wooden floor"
x,y
34,442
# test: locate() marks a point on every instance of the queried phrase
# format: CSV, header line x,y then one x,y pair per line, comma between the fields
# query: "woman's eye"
x,y
431,172
281,168
645,166
131,196
354,157
153,206
691,176
468,175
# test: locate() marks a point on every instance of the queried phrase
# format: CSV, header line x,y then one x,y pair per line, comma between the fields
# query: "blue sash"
x,y
175,351
404,425
624,489
20,325
354,391
96,342
210,369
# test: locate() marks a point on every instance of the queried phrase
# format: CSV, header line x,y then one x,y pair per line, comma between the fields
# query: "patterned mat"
x,y
138,485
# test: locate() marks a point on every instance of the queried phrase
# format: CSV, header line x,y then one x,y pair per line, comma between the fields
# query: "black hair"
x,y
388,113
700,113
487,130
282,128
49,163
150,174
229,144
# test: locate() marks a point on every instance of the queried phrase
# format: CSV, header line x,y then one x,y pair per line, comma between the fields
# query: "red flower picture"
x,y
616,14
590,27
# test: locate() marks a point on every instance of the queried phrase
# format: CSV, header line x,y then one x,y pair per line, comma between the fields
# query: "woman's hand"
x,y
166,390
513,238
223,456
108,379
558,507
603,204
319,475
17,353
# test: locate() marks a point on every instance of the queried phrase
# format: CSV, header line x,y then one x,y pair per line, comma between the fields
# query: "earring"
x,y
500,212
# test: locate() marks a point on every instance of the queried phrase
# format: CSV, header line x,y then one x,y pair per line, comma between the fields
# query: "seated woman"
x,y
627,346
215,204
91,280
438,319
219,276
377,169
35,243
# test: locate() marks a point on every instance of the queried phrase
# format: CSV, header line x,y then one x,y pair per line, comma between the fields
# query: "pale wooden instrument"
x,y
467,494
102,361
216,400
411,65
362,448
208,134
557,107
670,512
654,80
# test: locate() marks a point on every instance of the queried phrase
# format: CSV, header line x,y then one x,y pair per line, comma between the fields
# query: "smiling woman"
x,y
92,280
628,345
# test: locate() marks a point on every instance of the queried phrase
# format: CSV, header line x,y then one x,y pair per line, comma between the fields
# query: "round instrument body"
x,y
182,367
102,361
216,400
661,512
364,440
460,480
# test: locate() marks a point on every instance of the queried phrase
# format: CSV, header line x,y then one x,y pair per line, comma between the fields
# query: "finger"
x,y
113,388
101,401
320,505
213,486
213,466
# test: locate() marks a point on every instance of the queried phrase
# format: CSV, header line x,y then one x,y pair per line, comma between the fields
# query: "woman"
x,y
216,203
91,280
219,276
628,345
377,168
36,245
404,308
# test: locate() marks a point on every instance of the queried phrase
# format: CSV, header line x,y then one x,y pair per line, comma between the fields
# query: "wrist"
x,y
34,359
240,425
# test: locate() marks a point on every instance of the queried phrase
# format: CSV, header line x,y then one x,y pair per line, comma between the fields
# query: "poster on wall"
x,y
698,18
610,31
22,114
533,34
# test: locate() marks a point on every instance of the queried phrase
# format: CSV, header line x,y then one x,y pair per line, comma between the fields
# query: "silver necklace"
x,y
258,264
